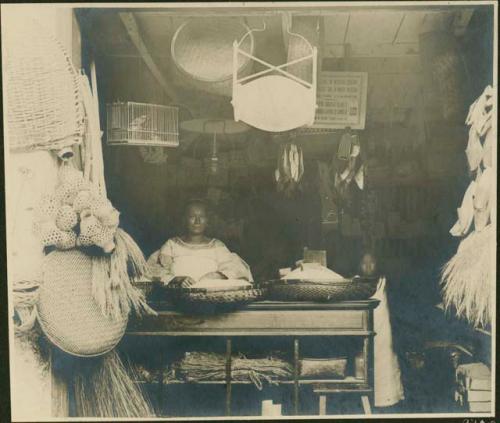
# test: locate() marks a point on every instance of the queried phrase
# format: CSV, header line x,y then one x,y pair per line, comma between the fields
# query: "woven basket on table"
x,y
204,299
43,102
356,289
202,50
67,311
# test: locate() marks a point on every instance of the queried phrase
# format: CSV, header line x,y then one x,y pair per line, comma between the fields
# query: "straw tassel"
x,y
111,283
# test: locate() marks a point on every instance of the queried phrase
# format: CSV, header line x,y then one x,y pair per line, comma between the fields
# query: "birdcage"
x,y
142,124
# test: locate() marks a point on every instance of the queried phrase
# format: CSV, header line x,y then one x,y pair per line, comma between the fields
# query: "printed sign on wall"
x,y
341,100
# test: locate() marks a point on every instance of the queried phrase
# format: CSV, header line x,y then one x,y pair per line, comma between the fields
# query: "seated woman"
x,y
191,258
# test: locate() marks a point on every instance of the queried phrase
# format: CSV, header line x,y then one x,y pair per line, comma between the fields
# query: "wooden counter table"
x,y
272,318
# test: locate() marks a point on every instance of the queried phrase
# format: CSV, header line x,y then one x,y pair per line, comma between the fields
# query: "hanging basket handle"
x,y
250,32
289,32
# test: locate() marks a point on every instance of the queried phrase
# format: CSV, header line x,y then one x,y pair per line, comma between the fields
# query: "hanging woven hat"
x,y
202,51
67,311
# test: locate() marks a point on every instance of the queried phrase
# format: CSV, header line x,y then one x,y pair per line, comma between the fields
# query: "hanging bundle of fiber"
x,y
112,279
468,277
93,161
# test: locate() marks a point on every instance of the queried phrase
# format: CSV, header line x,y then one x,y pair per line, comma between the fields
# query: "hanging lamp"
x,y
214,127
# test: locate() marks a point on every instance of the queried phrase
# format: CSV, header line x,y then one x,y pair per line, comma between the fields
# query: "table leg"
x,y
366,404
296,376
161,383
228,376
322,405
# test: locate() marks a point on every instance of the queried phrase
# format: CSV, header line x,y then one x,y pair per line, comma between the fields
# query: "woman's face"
x,y
196,219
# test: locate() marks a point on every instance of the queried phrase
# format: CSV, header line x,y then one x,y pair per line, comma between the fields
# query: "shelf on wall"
x,y
344,382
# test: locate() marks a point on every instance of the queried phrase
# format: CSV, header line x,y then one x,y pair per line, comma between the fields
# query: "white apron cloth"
x,y
388,386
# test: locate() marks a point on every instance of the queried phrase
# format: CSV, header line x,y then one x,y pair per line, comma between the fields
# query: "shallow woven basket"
x,y
202,50
67,312
298,290
43,102
323,367
204,299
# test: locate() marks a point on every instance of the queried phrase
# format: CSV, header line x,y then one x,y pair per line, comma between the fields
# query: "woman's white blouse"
x,y
178,258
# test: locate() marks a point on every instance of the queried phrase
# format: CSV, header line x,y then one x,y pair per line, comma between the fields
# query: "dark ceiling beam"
x,y
277,8
132,28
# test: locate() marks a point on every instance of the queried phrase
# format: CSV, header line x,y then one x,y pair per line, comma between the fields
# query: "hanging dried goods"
x,y
290,169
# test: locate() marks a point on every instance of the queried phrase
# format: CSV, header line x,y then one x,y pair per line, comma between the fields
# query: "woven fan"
x,y
67,311
44,110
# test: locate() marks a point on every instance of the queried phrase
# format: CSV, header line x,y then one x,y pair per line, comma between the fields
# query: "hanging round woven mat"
x,y
67,312
202,50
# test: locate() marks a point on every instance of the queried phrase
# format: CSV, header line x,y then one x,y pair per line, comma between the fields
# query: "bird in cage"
x,y
139,123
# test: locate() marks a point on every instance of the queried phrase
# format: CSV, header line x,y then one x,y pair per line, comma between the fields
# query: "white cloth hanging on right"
x,y
388,386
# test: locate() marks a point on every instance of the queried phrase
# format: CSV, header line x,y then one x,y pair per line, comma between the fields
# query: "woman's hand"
x,y
213,275
181,282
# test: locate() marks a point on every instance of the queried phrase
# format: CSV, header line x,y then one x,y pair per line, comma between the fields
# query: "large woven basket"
x,y
203,299
67,312
43,102
356,289
202,50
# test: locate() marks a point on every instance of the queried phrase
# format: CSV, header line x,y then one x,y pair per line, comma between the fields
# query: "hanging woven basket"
x,y
67,312
202,50
43,104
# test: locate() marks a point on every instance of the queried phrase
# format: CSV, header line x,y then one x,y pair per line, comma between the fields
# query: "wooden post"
x,y
296,376
322,405
228,376
161,385
366,404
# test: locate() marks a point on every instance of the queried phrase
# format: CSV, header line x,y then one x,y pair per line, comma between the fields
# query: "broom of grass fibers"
x,y
103,387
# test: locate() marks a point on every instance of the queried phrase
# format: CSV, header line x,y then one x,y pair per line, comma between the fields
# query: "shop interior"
x,y
416,70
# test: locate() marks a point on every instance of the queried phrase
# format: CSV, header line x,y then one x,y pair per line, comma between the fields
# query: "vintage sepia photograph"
x,y
250,211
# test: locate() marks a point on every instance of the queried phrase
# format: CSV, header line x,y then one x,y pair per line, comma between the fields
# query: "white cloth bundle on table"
x,y
314,272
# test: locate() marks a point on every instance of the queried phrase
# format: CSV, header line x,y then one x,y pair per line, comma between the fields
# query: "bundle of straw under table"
x,y
201,366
